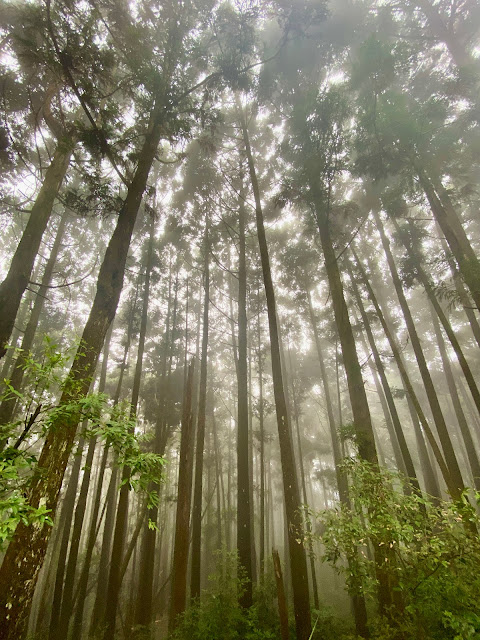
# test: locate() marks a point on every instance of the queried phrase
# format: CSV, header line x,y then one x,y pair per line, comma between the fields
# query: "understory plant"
x,y
36,412
218,614
429,551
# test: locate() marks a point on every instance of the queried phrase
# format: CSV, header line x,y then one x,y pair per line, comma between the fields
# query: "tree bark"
x,y
308,523
89,548
120,533
244,530
358,600
456,483
68,508
26,552
7,408
282,601
406,379
184,498
358,397
297,553
397,425
200,440
447,218
67,597
261,427
16,281
457,405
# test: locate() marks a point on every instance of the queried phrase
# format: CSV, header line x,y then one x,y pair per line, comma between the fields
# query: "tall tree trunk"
x,y
356,386
98,611
397,425
7,407
67,597
251,465
89,548
308,523
358,600
457,405
447,218
301,598
68,508
442,316
244,530
200,441
261,427
184,498
462,293
454,470
16,281
430,476
406,379
365,438
218,474
121,523
282,600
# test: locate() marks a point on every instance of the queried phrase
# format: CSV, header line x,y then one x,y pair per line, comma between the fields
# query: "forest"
x,y
239,320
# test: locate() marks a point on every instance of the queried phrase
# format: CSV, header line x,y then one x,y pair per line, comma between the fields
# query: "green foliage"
x,y
41,413
117,428
326,626
220,617
426,549
14,508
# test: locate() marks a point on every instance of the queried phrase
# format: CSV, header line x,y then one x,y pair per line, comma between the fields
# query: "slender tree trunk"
x,y
98,611
7,407
262,449
132,543
430,476
449,453
358,396
121,523
200,441
68,508
365,438
244,528
462,293
67,598
251,458
297,554
427,284
282,600
358,601
397,425
118,544
137,378
467,261
218,475
406,379
184,498
457,405
89,548
16,281
308,523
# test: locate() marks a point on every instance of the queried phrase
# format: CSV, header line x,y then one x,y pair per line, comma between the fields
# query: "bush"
x,y
429,554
